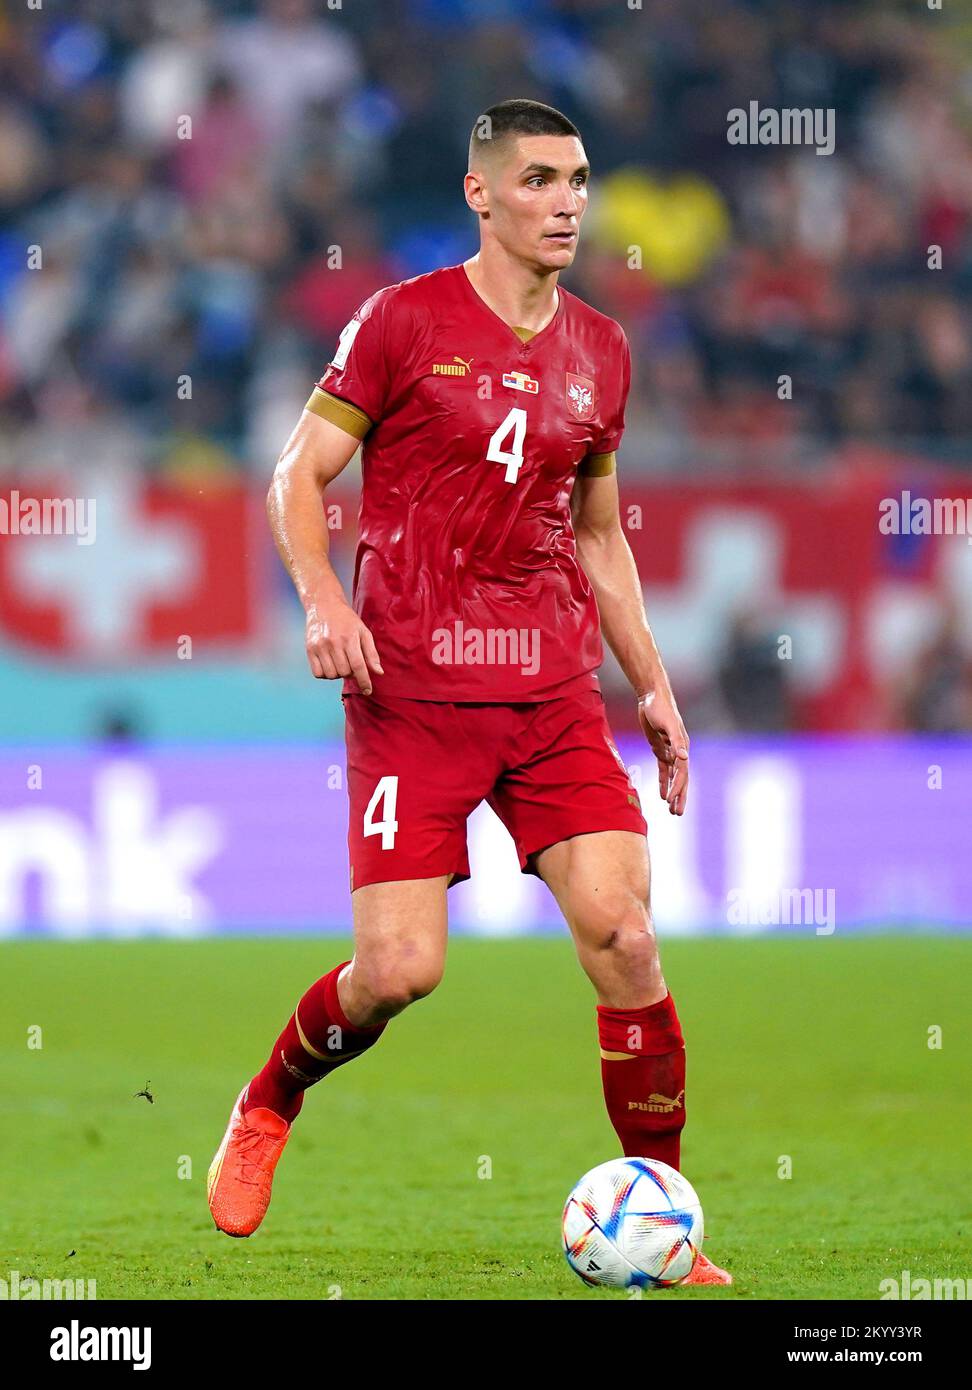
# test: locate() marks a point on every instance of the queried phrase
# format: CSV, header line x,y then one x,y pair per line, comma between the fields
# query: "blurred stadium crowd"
x,y
215,185
316,127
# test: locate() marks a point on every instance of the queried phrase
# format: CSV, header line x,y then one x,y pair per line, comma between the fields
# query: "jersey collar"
x,y
471,291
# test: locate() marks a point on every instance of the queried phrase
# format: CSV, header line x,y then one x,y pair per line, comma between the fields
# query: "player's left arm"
x,y
606,557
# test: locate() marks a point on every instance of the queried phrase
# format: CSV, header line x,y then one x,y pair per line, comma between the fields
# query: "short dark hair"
x,y
517,117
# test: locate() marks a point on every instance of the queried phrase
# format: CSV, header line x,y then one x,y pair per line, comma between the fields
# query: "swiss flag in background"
x,y
165,561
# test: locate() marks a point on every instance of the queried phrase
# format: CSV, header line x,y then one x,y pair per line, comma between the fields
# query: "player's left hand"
x,y
662,726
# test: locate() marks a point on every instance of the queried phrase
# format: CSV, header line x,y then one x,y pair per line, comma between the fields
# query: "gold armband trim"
x,y
347,417
598,465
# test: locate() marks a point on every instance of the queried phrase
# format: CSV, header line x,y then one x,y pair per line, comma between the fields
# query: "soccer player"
x,y
489,403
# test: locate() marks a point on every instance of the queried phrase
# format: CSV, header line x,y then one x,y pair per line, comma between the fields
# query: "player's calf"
x,y
643,1075
318,1038
642,1050
602,884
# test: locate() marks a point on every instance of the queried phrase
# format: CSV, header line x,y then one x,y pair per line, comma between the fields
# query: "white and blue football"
x,y
632,1222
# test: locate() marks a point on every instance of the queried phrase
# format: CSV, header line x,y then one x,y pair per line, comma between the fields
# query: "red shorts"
x,y
418,768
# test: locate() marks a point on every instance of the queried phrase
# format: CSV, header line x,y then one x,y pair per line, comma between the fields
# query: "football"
x,y
632,1222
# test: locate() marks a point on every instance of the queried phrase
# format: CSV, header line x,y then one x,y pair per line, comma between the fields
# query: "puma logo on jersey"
x,y
521,382
457,367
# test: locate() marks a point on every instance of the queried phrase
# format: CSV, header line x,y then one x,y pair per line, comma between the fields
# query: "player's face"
x,y
537,196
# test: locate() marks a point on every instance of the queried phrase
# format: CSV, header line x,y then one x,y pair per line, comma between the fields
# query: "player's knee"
x,y
392,984
620,922
633,948
615,915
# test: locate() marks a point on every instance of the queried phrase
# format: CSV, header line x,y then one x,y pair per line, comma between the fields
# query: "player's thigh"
x,y
602,884
400,936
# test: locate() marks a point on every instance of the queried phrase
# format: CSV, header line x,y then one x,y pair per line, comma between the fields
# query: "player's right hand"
x,y
339,644
662,726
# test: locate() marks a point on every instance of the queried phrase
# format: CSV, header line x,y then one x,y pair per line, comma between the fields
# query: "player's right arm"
x,y
338,643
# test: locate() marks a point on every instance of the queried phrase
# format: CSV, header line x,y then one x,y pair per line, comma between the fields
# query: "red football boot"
x,y
705,1272
241,1173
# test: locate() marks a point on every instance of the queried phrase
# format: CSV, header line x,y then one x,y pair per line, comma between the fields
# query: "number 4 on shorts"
x,y
386,792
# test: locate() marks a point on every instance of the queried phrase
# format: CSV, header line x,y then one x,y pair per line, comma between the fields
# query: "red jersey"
x,y
466,569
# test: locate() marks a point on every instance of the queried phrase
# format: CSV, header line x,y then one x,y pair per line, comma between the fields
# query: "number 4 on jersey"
x,y
513,457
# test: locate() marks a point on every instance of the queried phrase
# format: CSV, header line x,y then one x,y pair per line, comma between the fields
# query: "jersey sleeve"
x,y
613,420
354,390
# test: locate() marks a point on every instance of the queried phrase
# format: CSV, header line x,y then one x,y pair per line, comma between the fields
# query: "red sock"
x,y
643,1072
296,1062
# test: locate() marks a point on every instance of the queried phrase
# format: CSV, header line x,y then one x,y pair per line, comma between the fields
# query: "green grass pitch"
x,y
814,1049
